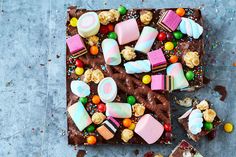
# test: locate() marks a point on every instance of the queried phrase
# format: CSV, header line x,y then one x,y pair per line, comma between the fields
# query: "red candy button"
x,y
110,28
79,63
167,127
101,107
161,36
104,29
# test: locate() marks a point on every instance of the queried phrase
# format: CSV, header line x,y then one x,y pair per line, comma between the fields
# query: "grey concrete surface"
x,y
32,77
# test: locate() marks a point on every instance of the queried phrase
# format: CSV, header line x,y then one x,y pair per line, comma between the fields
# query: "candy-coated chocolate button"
x,y
96,99
169,36
167,127
228,127
173,58
79,71
169,46
112,35
178,35
91,140
146,79
189,75
132,126
101,107
79,63
208,126
175,43
131,100
161,36
83,100
73,21
104,29
211,134
94,50
180,11
90,128
122,10
110,27
127,122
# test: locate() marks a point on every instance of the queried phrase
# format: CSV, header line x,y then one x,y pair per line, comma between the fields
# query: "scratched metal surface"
x,y
32,82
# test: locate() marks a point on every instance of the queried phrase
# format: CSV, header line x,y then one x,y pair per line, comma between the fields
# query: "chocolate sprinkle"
x,y
222,91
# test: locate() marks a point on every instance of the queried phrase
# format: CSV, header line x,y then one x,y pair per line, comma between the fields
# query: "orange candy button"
x,y
127,122
94,50
180,11
173,58
91,140
96,99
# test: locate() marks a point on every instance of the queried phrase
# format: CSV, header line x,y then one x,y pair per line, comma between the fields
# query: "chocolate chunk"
x,y
222,91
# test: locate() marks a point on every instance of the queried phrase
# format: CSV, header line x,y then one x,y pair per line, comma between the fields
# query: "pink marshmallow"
x,y
149,129
158,82
75,43
156,58
127,31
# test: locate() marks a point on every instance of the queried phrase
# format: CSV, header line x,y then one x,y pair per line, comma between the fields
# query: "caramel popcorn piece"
x,y
128,53
191,59
203,105
97,76
209,115
88,76
186,102
145,17
106,17
98,118
158,155
93,40
126,135
115,15
138,109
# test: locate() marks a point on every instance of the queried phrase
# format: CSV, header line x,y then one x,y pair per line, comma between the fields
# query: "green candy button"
x,y
178,35
83,100
131,100
208,126
112,35
90,128
189,75
122,10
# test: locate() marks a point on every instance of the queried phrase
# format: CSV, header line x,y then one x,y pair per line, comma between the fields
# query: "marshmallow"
x,y
79,115
176,70
191,28
107,89
195,121
118,110
149,129
88,24
139,66
146,39
127,31
80,88
111,52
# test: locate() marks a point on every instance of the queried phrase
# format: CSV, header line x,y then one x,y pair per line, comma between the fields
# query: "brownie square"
x,y
184,120
184,149
156,103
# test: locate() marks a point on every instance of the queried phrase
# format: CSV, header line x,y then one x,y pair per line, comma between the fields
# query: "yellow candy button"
x,y
228,127
79,71
146,79
169,46
132,126
73,22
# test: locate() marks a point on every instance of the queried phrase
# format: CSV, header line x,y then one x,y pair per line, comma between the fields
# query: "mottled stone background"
x,y
32,77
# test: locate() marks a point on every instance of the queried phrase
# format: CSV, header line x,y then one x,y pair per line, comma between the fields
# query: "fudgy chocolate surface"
x,y
158,105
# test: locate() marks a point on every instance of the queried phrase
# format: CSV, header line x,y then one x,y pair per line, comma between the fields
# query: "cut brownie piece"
x,y
199,120
184,149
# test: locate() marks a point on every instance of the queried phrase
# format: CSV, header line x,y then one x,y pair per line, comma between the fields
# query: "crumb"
x,y
58,56
42,65
136,152
81,153
186,102
206,80
222,91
